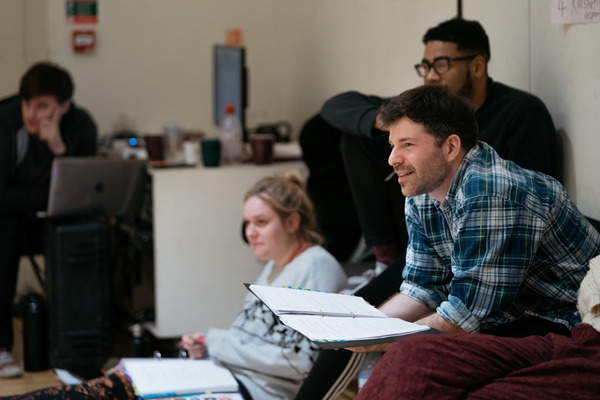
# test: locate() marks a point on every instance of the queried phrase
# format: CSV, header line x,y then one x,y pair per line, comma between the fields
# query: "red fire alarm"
x,y
83,41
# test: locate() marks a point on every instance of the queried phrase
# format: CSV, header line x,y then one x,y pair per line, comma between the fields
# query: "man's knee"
x,y
353,147
414,347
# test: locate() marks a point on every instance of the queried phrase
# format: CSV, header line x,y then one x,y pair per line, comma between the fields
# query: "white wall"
x,y
507,25
23,32
565,73
153,62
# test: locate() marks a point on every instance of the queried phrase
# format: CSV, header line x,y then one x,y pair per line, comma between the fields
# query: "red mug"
x,y
262,147
155,146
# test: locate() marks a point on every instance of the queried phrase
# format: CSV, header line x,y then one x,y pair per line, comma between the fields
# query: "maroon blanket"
x,y
489,367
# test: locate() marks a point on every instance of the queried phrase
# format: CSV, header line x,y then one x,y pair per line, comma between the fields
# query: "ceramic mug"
x,y
211,152
262,147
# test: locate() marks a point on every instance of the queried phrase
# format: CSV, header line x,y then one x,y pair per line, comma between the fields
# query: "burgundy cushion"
x,y
489,367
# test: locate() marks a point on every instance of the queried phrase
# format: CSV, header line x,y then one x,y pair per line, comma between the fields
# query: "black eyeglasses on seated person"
x,y
440,65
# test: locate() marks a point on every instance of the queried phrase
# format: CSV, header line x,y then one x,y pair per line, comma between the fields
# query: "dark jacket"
x,y
24,187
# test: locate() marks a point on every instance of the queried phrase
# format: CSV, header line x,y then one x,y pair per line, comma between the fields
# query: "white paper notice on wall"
x,y
575,11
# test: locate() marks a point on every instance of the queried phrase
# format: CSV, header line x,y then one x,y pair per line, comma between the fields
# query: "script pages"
x,y
160,378
333,320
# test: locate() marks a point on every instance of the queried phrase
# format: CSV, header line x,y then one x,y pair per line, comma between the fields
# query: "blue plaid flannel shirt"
x,y
505,243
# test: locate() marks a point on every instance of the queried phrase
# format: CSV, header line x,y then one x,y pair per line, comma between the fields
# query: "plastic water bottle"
x,y
366,368
231,136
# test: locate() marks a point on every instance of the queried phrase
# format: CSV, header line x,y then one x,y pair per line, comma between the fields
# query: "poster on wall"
x,y
81,11
574,11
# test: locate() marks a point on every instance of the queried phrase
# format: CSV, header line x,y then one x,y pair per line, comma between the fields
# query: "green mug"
x,y
211,152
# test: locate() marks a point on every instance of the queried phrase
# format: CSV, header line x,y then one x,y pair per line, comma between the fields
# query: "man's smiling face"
x,y
418,160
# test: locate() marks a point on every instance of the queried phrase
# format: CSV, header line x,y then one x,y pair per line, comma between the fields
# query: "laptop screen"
x,y
85,186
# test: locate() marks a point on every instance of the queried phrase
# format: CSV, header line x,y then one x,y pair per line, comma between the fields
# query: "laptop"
x,y
88,186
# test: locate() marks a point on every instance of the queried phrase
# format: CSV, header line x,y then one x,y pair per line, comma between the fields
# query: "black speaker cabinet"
x,y
78,290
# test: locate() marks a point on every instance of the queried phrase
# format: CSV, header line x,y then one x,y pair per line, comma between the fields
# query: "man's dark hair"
x,y
46,79
442,113
469,36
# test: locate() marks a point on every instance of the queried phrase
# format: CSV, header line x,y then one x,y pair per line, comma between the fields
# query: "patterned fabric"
x,y
505,243
113,386
258,320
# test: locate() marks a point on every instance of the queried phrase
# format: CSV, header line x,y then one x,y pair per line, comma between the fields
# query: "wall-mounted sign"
x,y
575,11
81,11
83,41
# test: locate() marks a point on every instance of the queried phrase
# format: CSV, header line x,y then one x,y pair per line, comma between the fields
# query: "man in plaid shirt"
x,y
492,247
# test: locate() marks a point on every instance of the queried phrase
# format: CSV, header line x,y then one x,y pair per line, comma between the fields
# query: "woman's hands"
x,y
195,345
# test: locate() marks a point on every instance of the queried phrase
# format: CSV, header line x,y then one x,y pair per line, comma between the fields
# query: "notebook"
x,y
333,320
85,186
171,377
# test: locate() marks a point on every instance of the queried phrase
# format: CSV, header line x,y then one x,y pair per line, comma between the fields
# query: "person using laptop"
x,y
39,123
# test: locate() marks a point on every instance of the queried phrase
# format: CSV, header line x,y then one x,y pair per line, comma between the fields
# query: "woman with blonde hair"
x,y
269,359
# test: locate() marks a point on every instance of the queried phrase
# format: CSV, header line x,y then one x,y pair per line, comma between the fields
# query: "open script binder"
x,y
165,377
332,320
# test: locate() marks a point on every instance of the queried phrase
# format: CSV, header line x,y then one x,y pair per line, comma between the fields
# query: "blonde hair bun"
x,y
295,177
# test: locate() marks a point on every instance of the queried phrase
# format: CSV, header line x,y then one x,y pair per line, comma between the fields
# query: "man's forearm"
x,y
409,309
436,321
405,307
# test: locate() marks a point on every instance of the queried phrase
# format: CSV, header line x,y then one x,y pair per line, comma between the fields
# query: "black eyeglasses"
x,y
440,65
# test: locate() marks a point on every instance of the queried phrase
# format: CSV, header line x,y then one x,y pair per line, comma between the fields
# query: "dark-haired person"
x,y
513,122
38,124
493,247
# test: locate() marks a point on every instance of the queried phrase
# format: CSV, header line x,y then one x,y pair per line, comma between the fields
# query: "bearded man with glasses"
x,y
515,123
